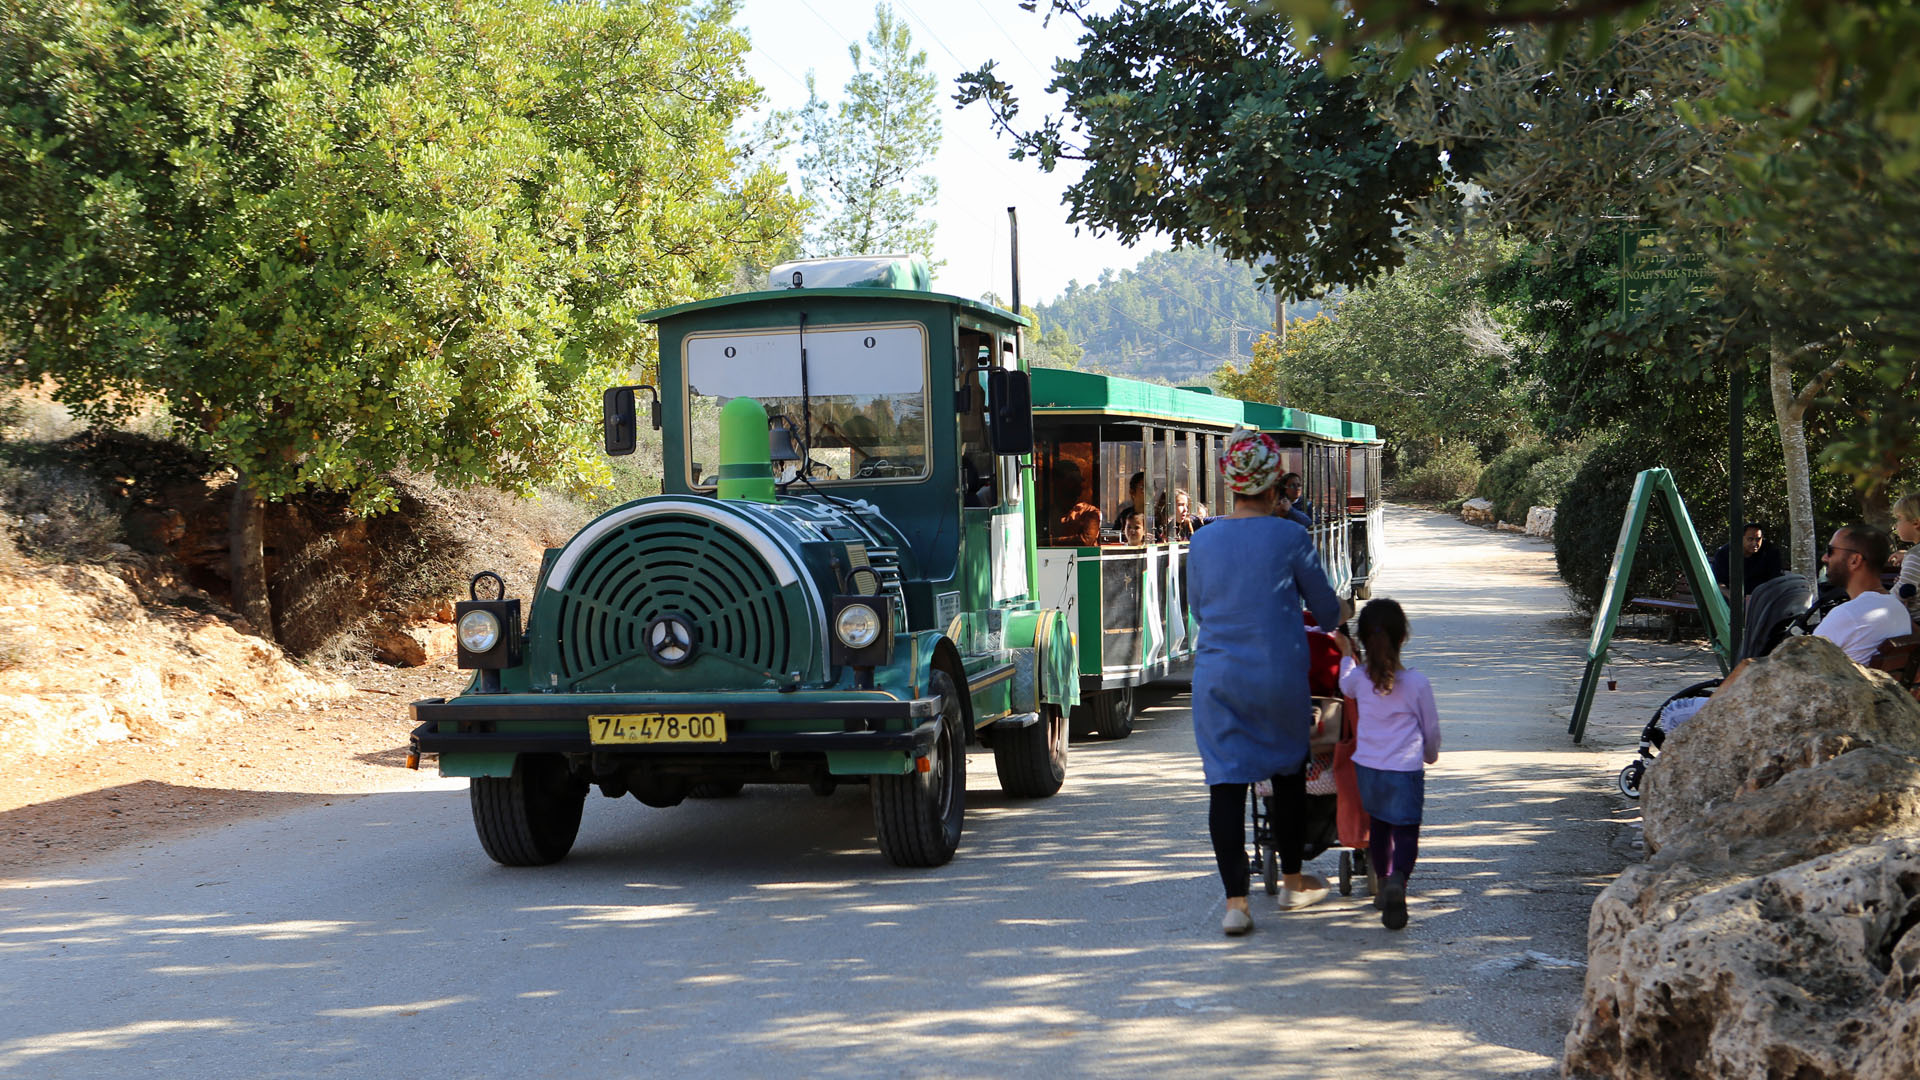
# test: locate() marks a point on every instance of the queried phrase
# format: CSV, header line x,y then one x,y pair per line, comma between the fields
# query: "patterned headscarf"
x,y
1251,463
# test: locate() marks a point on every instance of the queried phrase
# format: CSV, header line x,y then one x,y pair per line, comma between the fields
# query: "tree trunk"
x,y
247,556
1876,507
1789,413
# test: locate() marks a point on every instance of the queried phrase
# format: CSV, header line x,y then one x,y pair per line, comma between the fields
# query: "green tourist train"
x,y
858,568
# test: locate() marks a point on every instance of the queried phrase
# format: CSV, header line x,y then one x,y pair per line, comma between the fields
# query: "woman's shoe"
x,y
1236,922
1313,890
1393,903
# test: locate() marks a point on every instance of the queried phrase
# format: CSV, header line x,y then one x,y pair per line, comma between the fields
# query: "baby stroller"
x,y
1334,814
1777,610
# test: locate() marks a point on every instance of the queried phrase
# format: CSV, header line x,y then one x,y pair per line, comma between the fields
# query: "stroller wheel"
x,y
1346,873
1372,872
1272,871
1630,778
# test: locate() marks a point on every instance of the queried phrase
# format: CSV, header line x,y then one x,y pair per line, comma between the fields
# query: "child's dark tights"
x,y
1393,848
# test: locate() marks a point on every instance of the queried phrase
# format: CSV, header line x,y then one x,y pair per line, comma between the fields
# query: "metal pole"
x,y
1736,512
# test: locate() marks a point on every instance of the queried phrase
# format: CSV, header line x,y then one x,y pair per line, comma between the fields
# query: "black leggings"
x,y
1227,821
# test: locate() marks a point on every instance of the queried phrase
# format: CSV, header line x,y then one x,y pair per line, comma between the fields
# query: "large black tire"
x,y
1112,713
918,815
531,817
1032,761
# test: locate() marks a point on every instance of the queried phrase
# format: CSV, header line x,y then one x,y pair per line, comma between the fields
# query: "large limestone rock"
x,y
1540,522
1769,934
1477,511
1803,704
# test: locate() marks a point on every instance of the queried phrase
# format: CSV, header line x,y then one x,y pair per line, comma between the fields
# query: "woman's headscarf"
x,y
1251,463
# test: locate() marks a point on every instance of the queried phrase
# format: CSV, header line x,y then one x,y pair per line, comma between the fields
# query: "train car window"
x,y
1123,480
1357,480
1067,485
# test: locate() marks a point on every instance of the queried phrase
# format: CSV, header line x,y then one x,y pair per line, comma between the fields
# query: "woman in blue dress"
x,y
1247,574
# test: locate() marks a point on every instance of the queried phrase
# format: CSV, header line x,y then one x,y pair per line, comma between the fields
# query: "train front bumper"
x,y
797,722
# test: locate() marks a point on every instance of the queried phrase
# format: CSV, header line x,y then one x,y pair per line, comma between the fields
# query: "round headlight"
x,y
857,626
479,631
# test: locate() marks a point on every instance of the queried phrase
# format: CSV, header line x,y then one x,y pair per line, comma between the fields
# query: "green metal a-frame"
x,y
1706,592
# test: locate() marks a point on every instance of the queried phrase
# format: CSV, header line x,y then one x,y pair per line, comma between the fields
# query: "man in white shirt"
x,y
1870,616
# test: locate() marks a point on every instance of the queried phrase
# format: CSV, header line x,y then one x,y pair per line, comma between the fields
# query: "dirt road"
x,y
1072,936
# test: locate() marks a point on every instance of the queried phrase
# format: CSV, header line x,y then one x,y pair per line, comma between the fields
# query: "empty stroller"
x,y
1777,610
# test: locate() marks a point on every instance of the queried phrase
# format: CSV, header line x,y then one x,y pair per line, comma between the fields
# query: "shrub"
x,y
1506,475
1548,479
1448,474
57,512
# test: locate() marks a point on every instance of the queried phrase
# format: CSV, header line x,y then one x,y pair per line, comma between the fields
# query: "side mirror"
x,y
617,420
1010,412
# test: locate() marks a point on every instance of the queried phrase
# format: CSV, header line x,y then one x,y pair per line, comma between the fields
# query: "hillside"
x,y
1175,318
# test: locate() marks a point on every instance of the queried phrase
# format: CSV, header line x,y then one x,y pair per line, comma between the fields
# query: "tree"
x,y
863,160
1417,354
337,240
1196,120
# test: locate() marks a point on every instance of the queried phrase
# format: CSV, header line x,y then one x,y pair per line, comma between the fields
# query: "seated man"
x,y
1870,616
1762,561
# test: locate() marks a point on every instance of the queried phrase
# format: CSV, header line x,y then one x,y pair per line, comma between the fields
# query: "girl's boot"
x,y
1393,902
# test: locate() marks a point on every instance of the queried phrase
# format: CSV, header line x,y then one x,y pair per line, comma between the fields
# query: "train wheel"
x,y
918,815
1113,713
1032,761
531,817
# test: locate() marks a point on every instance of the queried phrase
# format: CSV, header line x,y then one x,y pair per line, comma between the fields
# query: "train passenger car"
x,y
835,585
1126,472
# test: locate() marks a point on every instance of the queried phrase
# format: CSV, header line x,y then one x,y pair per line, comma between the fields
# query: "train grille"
x,y
673,563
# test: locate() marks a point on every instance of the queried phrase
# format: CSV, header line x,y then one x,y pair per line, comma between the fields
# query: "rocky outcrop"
x,y
1803,705
1477,512
1540,522
1769,933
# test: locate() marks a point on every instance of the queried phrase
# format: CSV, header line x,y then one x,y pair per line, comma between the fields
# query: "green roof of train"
x,y
1064,391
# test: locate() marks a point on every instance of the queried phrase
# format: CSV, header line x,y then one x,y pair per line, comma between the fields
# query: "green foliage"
x,y
336,239
1417,354
1449,474
863,161
1195,120
1176,316
1505,477
1549,478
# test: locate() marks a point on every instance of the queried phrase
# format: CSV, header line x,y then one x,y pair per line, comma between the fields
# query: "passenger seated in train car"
x,y
1078,522
1133,531
1136,500
1283,507
1294,487
1187,516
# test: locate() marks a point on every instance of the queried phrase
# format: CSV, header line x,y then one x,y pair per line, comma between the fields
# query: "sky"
x,y
977,181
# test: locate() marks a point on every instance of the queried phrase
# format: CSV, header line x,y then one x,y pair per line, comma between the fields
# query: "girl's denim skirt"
x,y
1393,797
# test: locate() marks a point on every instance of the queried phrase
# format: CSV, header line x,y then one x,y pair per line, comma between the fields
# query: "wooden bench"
x,y
1900,658
1675,606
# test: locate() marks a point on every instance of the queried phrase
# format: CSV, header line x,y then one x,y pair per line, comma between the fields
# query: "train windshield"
x,y
866,393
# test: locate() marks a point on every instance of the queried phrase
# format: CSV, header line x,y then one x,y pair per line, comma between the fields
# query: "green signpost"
x,y
1648,263
1647,487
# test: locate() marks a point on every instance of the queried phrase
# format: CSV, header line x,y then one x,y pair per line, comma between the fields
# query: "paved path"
x,y
1073,936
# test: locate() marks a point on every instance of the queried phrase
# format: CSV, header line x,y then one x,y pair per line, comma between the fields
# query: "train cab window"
x,y
979,481
863,406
